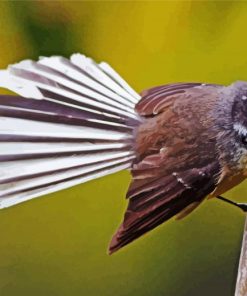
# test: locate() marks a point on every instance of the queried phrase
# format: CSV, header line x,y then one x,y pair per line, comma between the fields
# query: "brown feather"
x,y
156,204
177,163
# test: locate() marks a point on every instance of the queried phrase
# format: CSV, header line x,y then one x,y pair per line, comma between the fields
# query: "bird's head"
x,y
232,126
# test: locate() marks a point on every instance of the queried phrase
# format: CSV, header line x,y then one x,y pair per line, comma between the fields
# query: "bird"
x,y
73,120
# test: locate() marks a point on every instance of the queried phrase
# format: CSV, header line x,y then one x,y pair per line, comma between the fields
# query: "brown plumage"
x,y
173,167
182,142
178,164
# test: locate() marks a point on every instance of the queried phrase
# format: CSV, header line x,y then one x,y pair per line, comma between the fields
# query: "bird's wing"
x,y
156,99
169,176
153,200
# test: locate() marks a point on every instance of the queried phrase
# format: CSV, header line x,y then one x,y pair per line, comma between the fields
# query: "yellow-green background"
x,y
56,245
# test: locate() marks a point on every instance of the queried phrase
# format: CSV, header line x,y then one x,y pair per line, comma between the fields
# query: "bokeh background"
x,y
56,245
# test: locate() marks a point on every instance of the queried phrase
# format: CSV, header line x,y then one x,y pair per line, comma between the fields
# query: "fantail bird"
x,y
77,120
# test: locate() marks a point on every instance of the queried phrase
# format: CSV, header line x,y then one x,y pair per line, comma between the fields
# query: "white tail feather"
x,y
37,192
74,124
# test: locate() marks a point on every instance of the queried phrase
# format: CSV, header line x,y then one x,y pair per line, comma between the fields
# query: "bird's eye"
x,y
244,139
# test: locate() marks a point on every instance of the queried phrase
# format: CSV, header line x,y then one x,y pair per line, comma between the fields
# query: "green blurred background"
x,y
56,245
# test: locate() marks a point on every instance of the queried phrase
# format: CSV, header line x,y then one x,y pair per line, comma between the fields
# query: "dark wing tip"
x,y
114,245
155,205
117,241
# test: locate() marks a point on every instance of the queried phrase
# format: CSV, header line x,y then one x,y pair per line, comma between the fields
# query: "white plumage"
x,y
74,124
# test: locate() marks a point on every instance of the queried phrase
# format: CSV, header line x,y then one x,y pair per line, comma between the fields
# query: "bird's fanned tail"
x,y
73,123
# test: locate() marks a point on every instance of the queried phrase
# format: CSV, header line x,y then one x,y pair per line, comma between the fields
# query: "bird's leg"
x,y
242,206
